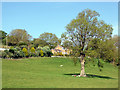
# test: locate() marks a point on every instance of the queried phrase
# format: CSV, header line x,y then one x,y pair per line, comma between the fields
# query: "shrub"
x,y
32,50
37,53
22,43
12,50
23,46
18,48
11,55
4,54
21,54
49,53
25,52
41,53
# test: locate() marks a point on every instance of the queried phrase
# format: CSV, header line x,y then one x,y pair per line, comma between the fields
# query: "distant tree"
x,y
82,30
103,49
38,42
18,35
116,40
3,35
51,39
67,44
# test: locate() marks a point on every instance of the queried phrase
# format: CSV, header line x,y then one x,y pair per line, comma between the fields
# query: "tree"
x,y
103,49
3,35
18,35
82,30
51,39
67,44
38,42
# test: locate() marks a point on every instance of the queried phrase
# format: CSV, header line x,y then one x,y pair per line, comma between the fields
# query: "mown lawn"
x,y
45,72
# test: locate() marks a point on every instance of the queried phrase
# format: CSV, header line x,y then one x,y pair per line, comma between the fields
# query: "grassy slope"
x,y
47,73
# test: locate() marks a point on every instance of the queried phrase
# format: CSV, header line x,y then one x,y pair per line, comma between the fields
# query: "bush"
x,y
32,50
22,43
32,54
41,53
23,46
11,55
12,50
21,54
49,53
25,52
37,53
4,54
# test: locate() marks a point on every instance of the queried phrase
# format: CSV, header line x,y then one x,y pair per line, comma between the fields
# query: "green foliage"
x,y
67,44
23,46
45,50
22,43
86,27
12,50
39,42
103,49
3,35
51,39
18,37
4,54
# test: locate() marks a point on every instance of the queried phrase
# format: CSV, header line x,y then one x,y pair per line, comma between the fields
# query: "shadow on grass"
x,y
91,76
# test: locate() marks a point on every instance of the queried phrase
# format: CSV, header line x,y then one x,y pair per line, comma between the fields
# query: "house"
x,y
59,49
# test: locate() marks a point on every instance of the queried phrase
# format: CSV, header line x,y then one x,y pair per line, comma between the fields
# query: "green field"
x,y
45,72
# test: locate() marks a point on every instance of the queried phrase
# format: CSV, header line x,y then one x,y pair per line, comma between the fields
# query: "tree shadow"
x,y
91,76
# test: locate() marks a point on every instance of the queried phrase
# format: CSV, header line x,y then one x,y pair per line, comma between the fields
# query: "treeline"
x,y
21,44
20,37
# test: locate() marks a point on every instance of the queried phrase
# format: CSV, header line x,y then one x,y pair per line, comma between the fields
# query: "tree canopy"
x,y
84,28
50,38
3,35
38,42
18,35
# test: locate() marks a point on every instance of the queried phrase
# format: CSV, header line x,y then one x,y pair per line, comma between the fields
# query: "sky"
x,y
39,17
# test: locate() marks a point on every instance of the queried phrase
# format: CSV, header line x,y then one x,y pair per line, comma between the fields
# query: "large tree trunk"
x,y
82,74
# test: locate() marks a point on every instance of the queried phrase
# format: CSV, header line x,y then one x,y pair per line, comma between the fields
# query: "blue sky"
x,y
39,17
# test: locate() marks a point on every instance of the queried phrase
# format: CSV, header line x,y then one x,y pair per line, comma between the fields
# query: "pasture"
x,y
46,72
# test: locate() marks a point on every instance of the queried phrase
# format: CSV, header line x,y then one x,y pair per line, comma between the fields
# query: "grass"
x,y
45,72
